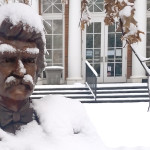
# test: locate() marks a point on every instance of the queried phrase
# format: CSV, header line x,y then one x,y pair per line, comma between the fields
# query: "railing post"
x,y
91,79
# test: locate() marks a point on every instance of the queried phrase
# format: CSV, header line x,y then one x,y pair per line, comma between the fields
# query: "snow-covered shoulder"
x,y
64,126
60,115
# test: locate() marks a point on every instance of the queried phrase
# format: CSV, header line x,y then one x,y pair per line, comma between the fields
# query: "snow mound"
x,y
64,126
20,12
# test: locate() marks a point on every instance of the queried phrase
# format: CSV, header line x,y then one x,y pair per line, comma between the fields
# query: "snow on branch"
x,y
2,2
123,11
85,15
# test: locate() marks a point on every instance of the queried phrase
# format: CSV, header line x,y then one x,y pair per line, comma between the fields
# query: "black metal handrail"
x,y
91,79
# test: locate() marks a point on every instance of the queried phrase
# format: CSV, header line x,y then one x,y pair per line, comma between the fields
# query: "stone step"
x,y
105,92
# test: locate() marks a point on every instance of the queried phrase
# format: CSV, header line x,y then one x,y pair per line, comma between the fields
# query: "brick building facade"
x,y
69,47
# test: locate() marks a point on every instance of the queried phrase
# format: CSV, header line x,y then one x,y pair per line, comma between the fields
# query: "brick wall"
x,y
129,62
66,39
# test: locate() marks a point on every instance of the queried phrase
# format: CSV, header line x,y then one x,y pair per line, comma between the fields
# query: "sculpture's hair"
x,y
26,33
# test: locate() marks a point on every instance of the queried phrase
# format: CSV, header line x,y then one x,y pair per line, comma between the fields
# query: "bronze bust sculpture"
x,y
21,62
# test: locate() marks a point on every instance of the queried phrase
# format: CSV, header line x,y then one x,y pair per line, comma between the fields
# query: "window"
x,y
54,42
93,45
52,6
52,12
114,57
96,5
148,32
148,5
53,16
148,41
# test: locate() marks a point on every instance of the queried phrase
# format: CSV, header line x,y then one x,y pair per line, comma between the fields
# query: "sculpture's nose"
x,y
19,70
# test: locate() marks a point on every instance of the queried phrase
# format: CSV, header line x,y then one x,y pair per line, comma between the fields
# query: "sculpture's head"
x,y
22,49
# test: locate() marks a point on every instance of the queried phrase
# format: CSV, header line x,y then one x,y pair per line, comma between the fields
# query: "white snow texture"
x,y
64,126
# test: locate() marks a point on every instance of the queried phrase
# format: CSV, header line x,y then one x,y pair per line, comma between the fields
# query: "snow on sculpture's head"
x,y
22,49
20,22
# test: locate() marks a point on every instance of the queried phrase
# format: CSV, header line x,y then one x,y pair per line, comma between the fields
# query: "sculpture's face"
x,y
17,69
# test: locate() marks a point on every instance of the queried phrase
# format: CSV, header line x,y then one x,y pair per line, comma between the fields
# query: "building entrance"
x,y
104,50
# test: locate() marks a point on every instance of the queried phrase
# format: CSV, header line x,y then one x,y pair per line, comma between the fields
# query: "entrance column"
x,y
74,47
35,5
138,73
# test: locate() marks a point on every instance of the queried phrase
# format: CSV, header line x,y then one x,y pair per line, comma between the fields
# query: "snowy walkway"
x,y
121,124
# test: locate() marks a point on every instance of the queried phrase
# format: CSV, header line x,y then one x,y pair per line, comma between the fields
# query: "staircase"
x,y
106,93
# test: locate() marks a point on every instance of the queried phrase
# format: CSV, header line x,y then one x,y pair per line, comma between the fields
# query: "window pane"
x,y
57,1
48,9
96,55
97,9
57,26
111,28
118,40
100,0
48,41
57,56
97,68
111,40
52,6
57,8
57,42
97,27
148,52
89,54
47,25
100,7
148,39
97,40
45,5
118,55
89,41
89,28
110,70
118,69
49,58
111,55
91,8
148,24
148,5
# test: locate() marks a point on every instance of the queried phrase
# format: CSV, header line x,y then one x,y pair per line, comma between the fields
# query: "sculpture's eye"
x,y
28,60
9,60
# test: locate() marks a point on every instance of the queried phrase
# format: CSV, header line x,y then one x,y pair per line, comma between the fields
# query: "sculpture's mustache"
x,y
13,81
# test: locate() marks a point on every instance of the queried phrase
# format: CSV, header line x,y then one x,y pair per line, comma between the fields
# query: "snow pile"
x,y
7,48
32,50
21,67
122,124
64,126
126,11
10,79
19,11
54,68
28,78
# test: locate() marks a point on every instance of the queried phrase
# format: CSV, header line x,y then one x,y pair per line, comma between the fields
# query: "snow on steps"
x,y
124,92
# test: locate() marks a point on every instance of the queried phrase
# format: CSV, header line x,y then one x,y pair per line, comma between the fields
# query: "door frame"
x,y
104,42
122,78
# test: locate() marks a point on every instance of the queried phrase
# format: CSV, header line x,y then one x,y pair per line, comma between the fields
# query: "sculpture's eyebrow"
x,y
7,48
32,50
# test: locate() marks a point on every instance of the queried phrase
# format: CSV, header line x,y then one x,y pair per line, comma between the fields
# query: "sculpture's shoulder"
x,y
59,104
62,115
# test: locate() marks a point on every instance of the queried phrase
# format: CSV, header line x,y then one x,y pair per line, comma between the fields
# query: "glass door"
x,y
94,46
104,51
115,56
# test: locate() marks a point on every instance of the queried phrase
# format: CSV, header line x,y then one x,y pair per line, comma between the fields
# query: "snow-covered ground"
x,y
121,124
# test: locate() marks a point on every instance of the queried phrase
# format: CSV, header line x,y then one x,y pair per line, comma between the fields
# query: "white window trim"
x,y
58,16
